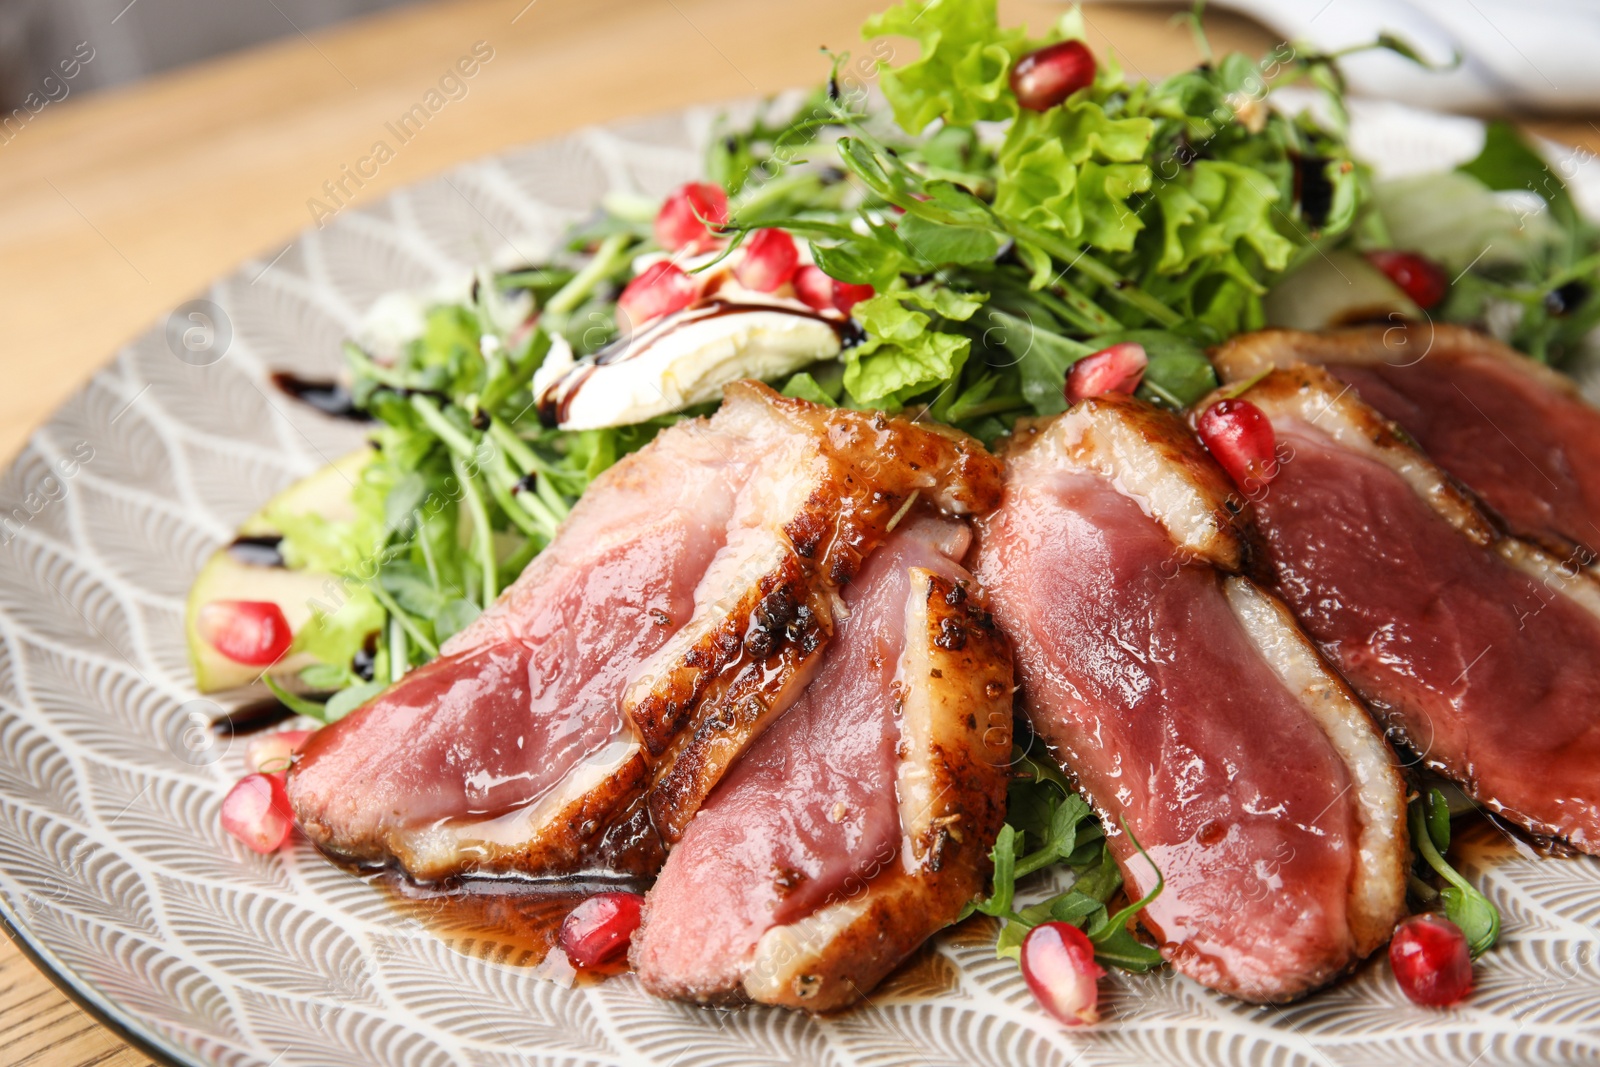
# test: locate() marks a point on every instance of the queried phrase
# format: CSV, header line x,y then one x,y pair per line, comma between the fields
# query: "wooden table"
x,y
116,208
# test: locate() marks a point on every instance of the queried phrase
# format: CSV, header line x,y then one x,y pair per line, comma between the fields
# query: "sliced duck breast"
x,y
1189,707
861,822
1516,432
682,606
1479,651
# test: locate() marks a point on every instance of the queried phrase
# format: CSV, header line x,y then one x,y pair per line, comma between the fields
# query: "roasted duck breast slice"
x,y
682,606
1479,651
1189,707
1516,432
861,822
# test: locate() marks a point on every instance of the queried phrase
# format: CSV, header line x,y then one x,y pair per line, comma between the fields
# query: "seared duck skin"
x,y
1479,651
1187,703
861,822
682,607
1516,432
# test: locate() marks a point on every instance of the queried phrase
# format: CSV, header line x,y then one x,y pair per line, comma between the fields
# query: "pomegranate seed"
x,y
1111,370
1044,78
770,259
814,288
1058,963
256,811
598,930
660,289
1240,436
678,222
270,753
847,296
821,293
1431,961
253,632
1420,278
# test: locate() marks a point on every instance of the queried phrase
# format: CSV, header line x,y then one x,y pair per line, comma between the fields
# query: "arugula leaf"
x,y
1178,373
1043,809
962,75
1509,162
937,243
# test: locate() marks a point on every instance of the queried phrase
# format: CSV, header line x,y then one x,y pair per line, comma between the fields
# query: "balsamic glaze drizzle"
x,y
262,551
325,394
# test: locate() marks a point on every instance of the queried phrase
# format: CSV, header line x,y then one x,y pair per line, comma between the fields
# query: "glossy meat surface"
x,y
1491,675
1139,675
683,606
809,819
1514,431
532,688
1530,451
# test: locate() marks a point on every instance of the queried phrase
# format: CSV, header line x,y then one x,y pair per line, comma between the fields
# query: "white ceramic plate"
x,y
115,874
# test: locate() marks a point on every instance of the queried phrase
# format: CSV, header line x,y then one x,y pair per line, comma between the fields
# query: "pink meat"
x,y
1137,673
1491,676
1531,451
810,814
533,686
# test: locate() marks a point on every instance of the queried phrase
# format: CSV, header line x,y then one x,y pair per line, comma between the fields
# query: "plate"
x,y
117,878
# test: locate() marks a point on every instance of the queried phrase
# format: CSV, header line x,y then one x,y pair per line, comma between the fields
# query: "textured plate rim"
x,y
126,1023
107,1014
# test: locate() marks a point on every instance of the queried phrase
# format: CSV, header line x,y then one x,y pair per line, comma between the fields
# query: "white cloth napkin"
x,y
1517,55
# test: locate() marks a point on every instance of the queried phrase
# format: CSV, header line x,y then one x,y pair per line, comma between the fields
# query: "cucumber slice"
x,y
1338,289
226,577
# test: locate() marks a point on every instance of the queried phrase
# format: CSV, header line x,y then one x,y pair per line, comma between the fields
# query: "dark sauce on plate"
x,y
259,551
510,921
325,394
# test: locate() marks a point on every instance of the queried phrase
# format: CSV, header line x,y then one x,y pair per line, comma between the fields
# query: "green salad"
x,y
987,244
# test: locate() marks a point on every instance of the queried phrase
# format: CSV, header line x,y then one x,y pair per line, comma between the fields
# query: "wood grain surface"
x,y
116,208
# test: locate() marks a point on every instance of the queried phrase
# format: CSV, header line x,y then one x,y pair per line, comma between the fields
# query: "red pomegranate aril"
x,y
1117,369
1058,964
1044,78
660,289
598,930
679,222
814,288
1240,436
1420,278
252,632
770,259
1431,960
270,753
256,811
821,293
846,296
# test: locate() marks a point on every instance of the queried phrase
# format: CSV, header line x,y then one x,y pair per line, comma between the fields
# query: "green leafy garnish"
x,y
1002,245
963,72
1049,824
1463,905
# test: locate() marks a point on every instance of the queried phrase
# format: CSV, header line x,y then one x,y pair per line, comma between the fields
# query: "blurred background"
x,y
137,39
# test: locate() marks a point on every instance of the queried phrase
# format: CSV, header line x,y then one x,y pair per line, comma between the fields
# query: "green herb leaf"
x,y
1463,905
1509,162
311,709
